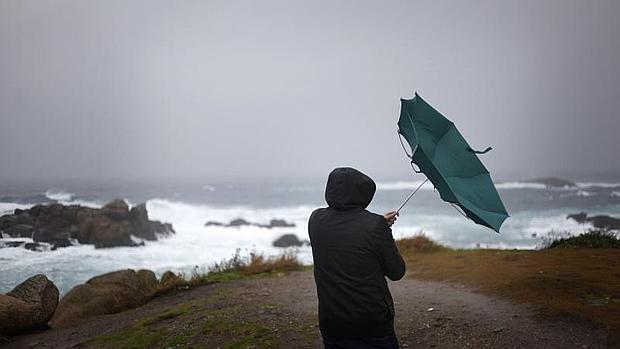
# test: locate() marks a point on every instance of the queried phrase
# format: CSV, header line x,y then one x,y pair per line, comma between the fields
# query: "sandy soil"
x,y
428,315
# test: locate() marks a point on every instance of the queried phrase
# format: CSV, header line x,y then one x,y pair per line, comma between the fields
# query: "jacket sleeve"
x,y
392,263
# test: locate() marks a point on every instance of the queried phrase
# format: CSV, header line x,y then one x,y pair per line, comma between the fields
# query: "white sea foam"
x,y
585,193
58,195
615,193
9,207
520,185
597,185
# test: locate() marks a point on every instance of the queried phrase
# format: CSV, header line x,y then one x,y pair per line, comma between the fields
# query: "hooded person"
x,y
353,252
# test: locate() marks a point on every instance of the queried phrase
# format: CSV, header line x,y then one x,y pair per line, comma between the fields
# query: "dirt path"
x,y
280,312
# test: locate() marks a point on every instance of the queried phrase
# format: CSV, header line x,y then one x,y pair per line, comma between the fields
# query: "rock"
x,y
553,182
29,306
280,223
274,223
580,217
605,222
288,240
214,223
35,246
56,244
11,243
105,294
238,222
19,230
111,226
116,209
601,222
169,281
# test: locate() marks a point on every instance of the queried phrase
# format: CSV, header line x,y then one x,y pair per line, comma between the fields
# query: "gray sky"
x,y
227,89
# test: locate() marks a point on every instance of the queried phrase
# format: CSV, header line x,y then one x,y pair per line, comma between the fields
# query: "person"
x,y
353,252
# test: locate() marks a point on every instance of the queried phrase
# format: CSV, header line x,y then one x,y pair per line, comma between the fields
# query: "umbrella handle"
x,y
411,195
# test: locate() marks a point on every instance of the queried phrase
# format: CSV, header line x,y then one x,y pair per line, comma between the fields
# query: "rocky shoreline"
x,y
604,222
58,225
240,222
34,304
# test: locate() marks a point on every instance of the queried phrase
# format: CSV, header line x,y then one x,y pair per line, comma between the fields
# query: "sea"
x,y
535,211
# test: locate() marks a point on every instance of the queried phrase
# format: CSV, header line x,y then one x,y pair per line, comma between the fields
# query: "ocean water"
x,y
535,210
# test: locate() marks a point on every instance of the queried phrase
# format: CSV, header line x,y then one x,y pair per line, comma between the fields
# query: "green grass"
x,y
242,334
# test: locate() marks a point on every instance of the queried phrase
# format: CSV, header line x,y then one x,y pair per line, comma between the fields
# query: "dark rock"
x,y
19,230
600,222
214,223
11,243
276,223
29,306
116,209
553,182
605,222
111,226
34,246
238,222
580,217
60,243
105,294
288,240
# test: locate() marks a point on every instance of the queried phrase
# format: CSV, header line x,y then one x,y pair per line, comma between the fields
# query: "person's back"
x,y
353,251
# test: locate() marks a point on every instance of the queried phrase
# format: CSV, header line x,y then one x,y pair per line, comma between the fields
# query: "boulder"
x,y
105,294
276,223
29,306
553,182
601,222
605,222
288,240
35,246
238,222
19,230
580,217
214,224
116,209
169,281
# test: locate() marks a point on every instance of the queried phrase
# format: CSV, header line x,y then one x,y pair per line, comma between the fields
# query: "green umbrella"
x,y
443,155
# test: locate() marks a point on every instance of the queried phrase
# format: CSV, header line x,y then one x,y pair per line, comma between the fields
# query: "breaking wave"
x,y
58,195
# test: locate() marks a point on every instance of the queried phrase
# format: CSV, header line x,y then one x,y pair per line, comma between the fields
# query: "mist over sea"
x,y
535,210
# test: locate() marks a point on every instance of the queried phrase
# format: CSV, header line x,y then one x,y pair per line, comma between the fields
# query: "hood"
x,y
349,188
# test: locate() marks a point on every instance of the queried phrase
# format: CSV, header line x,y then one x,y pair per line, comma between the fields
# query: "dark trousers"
x,y
389,342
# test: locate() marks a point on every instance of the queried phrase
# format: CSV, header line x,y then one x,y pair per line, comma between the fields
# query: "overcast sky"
x,y
281,89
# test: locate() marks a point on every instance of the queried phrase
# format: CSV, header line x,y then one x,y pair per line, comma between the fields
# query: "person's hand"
x,y
391,217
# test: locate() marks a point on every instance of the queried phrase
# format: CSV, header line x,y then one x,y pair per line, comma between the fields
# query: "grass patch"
x,y
579,281
237,267
418,243
590,239
243,335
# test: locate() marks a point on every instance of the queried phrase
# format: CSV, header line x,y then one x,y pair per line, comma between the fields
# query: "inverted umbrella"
x,y
442,154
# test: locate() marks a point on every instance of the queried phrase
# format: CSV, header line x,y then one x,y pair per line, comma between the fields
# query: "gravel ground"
x,y
428,315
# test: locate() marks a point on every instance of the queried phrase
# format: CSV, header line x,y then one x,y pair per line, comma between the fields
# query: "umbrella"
x,y
442,154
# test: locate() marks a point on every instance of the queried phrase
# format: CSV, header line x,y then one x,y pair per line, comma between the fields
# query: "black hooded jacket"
x,y
353,252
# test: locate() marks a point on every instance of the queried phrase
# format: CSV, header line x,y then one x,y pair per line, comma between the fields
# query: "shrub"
x,y
590,239
418,243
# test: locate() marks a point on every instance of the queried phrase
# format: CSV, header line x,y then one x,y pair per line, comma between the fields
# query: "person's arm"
x,y
392,263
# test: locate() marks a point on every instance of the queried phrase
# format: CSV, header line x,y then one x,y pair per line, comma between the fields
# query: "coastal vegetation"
x,y
572,276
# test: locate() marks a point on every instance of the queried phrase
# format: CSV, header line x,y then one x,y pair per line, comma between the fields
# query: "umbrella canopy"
x,y
443,155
